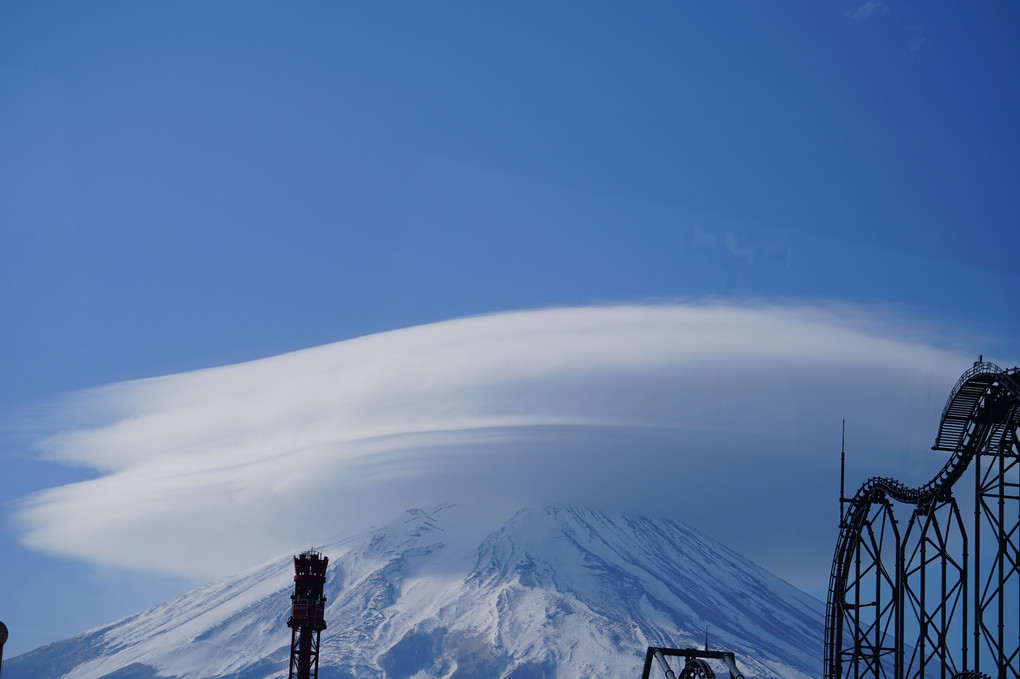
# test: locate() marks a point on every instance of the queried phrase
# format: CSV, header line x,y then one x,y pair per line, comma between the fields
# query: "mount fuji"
x,y
553,592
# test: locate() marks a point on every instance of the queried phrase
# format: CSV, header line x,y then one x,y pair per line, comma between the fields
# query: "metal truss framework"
x,y
942,597
307,614
695,665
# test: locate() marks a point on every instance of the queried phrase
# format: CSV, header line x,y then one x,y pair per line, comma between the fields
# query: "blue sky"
x,y
185,186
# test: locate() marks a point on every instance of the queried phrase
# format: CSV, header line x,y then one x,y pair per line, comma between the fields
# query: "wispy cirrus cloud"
x,y
722,415
868,9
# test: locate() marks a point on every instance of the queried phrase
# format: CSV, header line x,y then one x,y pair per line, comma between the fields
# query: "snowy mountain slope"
x,y
552,592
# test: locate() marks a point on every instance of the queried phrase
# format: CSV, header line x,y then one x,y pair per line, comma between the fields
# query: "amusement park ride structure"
x,y
307,614
695,665
917,591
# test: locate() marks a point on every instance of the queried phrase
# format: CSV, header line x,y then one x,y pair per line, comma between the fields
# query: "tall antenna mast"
x,y
842,473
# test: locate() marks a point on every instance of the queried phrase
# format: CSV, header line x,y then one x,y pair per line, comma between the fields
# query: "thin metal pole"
x,y
978,623
842,474
924,595
964,580
1002,557
858,642
943,627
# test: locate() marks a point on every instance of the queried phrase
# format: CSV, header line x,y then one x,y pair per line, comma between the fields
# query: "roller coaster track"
x,y
886,586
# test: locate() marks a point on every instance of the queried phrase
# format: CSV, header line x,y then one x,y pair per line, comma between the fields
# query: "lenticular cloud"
x,y
678,409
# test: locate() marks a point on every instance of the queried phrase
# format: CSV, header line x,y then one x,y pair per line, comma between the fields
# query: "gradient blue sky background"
x,y
185,185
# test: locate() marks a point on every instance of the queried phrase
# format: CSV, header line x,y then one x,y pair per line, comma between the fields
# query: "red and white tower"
x,y
307,614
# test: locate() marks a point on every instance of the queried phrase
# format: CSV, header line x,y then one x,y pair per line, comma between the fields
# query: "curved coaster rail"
x,y
942,597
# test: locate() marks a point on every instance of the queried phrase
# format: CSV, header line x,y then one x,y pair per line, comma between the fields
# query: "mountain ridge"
x,y
553,591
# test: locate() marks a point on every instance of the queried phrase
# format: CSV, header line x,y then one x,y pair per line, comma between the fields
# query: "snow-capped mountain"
x,y
556,592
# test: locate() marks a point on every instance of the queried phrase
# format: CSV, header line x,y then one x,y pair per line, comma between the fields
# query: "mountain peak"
x,y
553,591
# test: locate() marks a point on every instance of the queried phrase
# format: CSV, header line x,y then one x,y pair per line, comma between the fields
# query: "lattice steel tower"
x,y
307,610
920,588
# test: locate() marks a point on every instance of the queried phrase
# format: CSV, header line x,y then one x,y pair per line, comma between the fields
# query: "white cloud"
x,y
723,416
867,10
